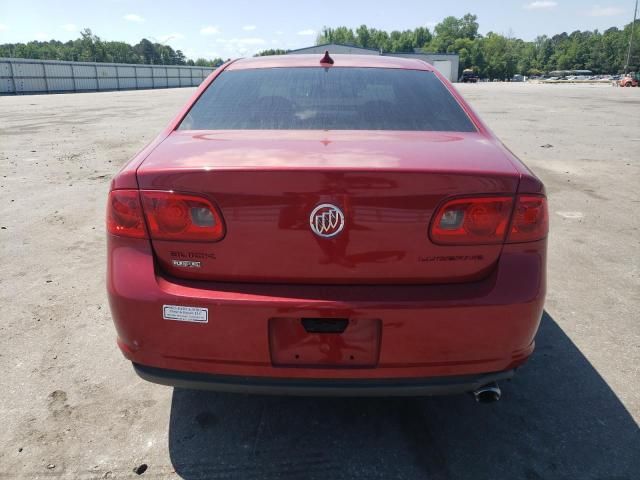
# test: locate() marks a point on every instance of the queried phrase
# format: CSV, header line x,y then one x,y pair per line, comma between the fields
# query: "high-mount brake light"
x,y
326,60
488,220
472,221
530,219
124,214
182,217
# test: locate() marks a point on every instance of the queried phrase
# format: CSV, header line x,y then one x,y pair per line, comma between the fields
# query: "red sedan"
x,y
318,225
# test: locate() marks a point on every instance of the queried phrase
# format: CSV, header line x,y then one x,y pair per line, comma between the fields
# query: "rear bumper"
x,y
320,387
427,331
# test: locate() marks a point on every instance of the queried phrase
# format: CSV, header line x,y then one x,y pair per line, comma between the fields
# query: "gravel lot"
x,y
71,406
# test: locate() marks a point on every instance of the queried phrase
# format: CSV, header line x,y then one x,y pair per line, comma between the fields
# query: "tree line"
x,y
91,48
501,56
491,56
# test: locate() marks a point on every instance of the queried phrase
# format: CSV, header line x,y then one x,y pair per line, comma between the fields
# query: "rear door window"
x,y
337,98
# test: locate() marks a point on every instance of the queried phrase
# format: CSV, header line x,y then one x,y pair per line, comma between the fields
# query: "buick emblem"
x,y
326,220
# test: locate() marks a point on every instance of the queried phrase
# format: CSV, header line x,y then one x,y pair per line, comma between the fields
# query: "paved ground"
x,y
71,407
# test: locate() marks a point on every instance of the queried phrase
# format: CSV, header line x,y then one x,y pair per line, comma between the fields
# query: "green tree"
x,y
271,51
452,29
363,36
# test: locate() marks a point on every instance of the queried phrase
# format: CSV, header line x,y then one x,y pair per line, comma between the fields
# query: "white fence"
x,y
24,76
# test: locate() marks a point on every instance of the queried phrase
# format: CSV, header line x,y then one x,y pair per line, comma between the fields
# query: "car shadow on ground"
x,y
558,419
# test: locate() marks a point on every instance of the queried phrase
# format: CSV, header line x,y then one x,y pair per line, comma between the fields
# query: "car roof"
x,y
313,60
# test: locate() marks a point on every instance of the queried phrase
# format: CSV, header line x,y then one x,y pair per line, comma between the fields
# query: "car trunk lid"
x,y
387,184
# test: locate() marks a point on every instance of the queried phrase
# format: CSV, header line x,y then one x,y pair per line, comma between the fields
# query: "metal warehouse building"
x,y
446,63
18,76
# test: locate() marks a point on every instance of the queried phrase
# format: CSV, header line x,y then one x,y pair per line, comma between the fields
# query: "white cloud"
x,y
69,27
279,32
132,17
307,32
598,11
249,28
3,27
191,53
252,41
541,5
242,41
42,36
243,46
210,30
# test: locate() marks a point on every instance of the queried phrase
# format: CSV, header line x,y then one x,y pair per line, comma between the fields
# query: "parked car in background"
x,y
469,76
318,225
629,80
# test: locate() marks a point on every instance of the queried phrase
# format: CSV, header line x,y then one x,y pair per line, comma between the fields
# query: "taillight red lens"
x,y
124,214
530,219
172,215
182,217
486,220
472,221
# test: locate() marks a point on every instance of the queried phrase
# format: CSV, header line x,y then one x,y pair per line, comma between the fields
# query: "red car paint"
x,y
415,308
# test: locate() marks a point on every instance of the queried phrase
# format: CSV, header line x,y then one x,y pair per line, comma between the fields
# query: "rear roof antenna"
x,y
327,58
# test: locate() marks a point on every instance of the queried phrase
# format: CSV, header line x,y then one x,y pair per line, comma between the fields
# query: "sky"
x,y
234,28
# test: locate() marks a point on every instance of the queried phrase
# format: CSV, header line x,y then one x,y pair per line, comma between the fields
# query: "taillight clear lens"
x,y
530,219
124,214
472,221
182,217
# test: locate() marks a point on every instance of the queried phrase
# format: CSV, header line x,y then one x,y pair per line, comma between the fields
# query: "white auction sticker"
x,y
185,314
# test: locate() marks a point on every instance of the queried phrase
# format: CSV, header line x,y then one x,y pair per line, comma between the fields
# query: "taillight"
x,y
182,217
530,219
472,221
124,214
487,220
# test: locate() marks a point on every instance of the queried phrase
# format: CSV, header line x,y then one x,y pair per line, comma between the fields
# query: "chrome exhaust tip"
x,y
488,393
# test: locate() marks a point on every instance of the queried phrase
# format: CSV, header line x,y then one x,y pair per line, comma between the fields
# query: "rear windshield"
x,y
327,99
